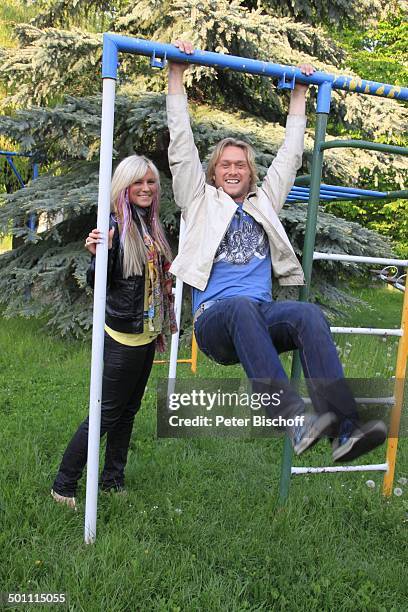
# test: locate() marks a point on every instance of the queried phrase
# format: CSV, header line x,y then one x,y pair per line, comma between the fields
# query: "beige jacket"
x,y
208,211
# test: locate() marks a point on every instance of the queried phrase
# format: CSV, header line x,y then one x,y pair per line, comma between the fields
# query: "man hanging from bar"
x,y
232,240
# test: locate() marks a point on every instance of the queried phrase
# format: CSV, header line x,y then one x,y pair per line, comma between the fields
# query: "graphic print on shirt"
x,y
240,244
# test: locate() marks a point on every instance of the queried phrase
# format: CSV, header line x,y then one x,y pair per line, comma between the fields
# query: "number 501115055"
x,y
32,598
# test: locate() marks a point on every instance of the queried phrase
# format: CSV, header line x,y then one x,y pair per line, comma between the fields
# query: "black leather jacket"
x,y
124,296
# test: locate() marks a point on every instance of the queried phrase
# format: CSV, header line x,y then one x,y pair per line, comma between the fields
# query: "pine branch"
x,y
326,11
69,12
49,63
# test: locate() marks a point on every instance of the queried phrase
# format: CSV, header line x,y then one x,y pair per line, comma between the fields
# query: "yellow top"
x,y
130,339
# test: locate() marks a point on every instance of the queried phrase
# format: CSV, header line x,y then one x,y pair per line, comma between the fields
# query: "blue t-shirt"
x,y
242,264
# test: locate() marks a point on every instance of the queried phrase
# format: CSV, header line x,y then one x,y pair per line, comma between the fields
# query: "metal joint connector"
x,y
157,62
284,83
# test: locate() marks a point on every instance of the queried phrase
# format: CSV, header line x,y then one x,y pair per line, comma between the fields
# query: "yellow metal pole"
x,y
400,373
192,360
194,354
161,361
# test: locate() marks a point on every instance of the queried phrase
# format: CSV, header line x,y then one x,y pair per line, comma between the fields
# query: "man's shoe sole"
x,y
321,427
367,439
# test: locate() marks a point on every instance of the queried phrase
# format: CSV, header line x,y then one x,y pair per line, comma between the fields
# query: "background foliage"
x,y
381,54
50,62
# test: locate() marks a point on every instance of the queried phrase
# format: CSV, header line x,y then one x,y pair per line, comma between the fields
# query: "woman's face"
x,y
142,192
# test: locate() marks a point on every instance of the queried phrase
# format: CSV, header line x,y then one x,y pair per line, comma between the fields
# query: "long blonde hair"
x,y
130,170
218,151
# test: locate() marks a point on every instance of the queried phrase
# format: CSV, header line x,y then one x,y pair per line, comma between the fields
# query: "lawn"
x,y
200,528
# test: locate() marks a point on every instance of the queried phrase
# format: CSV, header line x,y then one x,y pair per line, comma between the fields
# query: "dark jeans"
x,y
125,374
255,333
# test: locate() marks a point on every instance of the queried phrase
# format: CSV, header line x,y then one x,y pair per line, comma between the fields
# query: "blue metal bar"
x,y
331,196
32,222
325,192
324,97
15,154
32,219
113,43
328,196
339,192
16,172
348,190
304,198
354,190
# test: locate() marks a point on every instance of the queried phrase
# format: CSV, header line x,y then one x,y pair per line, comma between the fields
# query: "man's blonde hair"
x,y
218,151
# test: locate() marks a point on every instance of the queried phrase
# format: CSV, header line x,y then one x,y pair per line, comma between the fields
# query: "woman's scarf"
x,y
160,300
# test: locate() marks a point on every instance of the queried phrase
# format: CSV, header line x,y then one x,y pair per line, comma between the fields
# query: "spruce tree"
x,y
53,111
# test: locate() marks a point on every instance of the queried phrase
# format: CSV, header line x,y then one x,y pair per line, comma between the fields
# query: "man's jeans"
x,y
255,333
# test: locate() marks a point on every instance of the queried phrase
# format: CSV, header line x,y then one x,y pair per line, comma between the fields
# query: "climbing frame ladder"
x,y
314,195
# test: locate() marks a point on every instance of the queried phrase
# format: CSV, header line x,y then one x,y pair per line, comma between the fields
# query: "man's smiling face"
x,y
232,173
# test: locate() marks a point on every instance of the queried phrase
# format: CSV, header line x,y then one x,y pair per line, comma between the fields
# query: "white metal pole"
x,y
360,259
376,467
367,331
95,399
177,308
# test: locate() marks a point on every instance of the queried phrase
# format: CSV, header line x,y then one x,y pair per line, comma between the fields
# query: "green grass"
x,y
371,356
200,528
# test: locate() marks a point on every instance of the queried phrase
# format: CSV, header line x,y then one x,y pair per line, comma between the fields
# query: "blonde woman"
x,y
139,311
